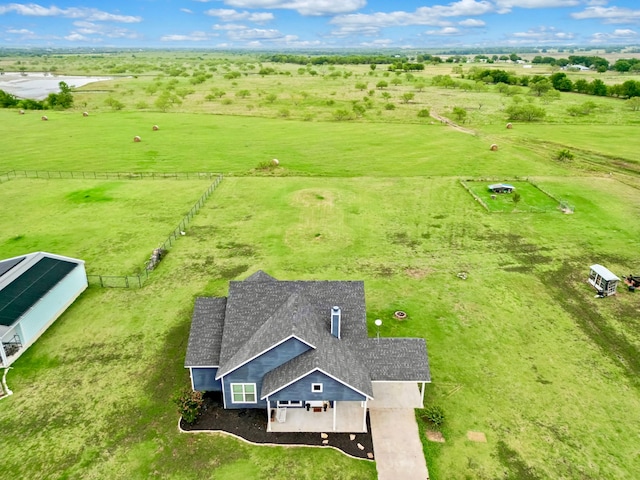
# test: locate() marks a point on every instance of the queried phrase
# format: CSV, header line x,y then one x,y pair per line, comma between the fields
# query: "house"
x,y
604,281
501,188
300,351
35,289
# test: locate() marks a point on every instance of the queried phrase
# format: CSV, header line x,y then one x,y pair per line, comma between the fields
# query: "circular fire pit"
x,y
400,315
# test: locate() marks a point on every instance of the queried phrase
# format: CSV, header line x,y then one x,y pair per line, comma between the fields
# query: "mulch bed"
x,y
251,424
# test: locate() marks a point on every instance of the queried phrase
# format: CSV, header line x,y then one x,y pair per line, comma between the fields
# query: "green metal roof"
x,y
26,290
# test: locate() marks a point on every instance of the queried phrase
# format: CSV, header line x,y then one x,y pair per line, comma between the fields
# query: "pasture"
x,y
520,350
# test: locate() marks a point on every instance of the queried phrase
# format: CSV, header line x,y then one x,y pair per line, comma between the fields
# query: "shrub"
x,y
434,414
564,156
189,405
424,113
389,106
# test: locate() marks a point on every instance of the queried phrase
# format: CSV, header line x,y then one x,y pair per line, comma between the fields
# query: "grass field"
x,y
520,350
531,198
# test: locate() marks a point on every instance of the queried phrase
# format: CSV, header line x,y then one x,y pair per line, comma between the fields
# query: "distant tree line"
x,y
333,59
60,101
558,81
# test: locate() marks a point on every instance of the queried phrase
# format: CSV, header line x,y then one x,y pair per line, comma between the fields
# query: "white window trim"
x,y
244,393
314,386
290,403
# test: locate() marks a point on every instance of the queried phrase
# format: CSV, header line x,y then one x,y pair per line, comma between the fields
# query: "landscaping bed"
x,y
251,424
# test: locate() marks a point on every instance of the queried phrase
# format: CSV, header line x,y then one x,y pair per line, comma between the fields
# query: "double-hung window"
x,y
243,393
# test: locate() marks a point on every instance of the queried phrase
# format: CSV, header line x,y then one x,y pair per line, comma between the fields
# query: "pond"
x,y
37,85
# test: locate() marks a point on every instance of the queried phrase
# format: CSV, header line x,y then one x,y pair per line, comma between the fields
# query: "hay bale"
x,y
156,128
275,161
494,147
137,139
509,126
85,114
45,118
21,112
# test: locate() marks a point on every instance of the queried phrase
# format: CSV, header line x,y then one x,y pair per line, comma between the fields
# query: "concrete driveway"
x,y
396,441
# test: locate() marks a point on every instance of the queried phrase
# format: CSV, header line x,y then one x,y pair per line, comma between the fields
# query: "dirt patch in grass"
x,y
435,436
417,273
238,249
251,424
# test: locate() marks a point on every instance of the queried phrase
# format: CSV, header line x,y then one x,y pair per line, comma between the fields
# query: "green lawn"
x,y
508,347
530,199
520,350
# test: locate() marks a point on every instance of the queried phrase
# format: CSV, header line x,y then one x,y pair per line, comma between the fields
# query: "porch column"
x,y
422,389
364,415
335,405
268,415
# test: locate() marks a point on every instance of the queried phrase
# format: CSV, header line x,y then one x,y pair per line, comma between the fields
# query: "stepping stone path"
x,y
370,455
325,442
352,437
360,446
324,435
477,437
435,437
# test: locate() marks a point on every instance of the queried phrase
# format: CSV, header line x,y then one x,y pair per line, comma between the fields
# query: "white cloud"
x,y
84,28
379,43
472,23
192,37
186,10
229,26
303,7
230,15
620,34
76,37
541,35
20,31
251,34
445,32
431,16
609,15
505,6
93,14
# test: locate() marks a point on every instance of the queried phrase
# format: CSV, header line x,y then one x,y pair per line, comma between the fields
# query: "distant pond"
x,y
37,86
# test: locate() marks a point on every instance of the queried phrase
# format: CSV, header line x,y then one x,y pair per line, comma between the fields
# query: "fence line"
x,y
70,174
138,279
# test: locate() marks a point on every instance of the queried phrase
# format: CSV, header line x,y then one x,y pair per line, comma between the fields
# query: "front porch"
x,y
346,417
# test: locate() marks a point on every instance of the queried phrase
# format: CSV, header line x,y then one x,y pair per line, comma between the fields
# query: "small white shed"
x,y
604,281
35,289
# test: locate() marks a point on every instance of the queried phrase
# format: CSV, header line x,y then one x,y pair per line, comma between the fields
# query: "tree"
x,y
272,97
386,95
113,103
361,86
540,87
526,112
633,103
407,97
516,198
382,84
396,81
560,82
243,93
61,100
424,113
460,114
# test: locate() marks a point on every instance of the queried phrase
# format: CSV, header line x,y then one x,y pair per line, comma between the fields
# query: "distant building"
x,y
35,289
603,280
501,188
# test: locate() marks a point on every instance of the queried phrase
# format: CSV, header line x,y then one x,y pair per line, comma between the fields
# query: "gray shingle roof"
x,y
261,312
205,337
251,304
294,317
333,357
395,359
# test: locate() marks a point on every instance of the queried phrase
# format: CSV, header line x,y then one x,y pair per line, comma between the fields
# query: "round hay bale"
x,y
275,161
21,112
494,147
45,118
509,126
85,114
156,128
137,139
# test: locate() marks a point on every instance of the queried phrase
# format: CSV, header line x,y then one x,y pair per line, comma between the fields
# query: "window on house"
x,y
243,393
316,387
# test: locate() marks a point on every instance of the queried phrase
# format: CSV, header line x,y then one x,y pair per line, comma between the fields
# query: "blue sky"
x,y
311,24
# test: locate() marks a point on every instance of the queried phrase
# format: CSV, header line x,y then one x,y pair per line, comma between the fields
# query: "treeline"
x,y
597,63
558,81
61,100
334,59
